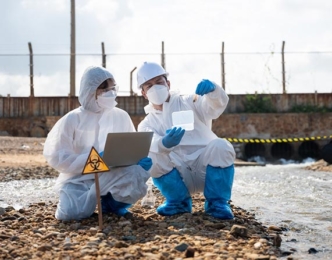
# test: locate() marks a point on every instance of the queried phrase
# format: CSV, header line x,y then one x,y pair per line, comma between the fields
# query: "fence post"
x,y
72,49
223,67
103,55
163,63
283,68
131,81
31,70
32,94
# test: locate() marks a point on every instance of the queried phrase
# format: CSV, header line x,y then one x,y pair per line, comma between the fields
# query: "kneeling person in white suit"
x,y
69,143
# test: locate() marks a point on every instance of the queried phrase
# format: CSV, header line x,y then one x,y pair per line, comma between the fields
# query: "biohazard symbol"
x,y
94,163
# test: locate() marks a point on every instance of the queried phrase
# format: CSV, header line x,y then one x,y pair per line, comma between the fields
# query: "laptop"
x,y
124,149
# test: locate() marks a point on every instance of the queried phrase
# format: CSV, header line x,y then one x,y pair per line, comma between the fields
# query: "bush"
x,y
309,109
258,104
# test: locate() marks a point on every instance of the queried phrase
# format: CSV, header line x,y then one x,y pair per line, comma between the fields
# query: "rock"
x,y
312,251
239,231
34,233
182,247
274,228
257,257
277,241
190,252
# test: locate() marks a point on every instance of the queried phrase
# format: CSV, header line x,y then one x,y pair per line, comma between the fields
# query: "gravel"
x,y
34,233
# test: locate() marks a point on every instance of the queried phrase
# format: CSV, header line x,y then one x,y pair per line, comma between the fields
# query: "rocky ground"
x,y
34,233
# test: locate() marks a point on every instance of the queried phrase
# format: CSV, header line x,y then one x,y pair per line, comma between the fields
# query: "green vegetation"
x,y
258,104
304,108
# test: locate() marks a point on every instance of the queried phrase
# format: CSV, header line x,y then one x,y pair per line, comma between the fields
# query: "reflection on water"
x,y
21,193
283,195
293,198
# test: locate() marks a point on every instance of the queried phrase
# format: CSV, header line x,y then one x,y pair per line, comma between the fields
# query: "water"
x,y
20,194
293,198
283,195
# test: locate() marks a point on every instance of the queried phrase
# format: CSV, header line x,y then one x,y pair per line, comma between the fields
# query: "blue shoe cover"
x,y
109,205
174,190
218,210
217,191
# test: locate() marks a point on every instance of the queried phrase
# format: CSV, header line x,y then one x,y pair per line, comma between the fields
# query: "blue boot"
x,y
217,191
109,205
174,190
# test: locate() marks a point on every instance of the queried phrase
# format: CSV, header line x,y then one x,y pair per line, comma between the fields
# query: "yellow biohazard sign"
x,y
95,163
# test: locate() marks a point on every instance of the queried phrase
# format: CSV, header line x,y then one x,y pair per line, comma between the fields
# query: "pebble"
x,y
158,238
32,232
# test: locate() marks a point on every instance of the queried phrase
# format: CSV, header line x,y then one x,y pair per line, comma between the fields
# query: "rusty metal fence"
x,y
14,107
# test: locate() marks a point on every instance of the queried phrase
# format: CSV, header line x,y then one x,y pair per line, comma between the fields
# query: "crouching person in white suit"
x,y
187,162
69,143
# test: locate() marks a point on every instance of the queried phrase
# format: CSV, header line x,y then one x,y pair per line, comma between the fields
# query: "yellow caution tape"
x,y
278,140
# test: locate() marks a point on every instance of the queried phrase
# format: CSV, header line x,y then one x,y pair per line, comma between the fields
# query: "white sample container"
x,y
184,119
149,199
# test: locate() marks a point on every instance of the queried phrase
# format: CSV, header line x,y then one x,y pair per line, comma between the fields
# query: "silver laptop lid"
x,y
124,149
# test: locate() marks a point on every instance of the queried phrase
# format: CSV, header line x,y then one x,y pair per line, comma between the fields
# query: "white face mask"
x,y
106,100
157,94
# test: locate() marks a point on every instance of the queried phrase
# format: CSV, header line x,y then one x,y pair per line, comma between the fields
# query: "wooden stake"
x,y
100,213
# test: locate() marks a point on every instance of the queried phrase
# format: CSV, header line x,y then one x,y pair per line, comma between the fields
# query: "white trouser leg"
x,y
78,197
218,153
76,201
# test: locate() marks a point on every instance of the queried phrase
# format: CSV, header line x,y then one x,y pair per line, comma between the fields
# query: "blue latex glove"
x,y
101,154
145,163
173,137
204,87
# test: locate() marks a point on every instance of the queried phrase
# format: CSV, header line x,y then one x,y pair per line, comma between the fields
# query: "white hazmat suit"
x,y
198,148
69,143
187,161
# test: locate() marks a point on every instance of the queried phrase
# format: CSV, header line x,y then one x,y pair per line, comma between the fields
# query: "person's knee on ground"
x,y
172,187
75,202
217,191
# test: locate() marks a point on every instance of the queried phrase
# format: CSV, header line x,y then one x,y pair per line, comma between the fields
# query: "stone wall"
x,y
286,125
246,126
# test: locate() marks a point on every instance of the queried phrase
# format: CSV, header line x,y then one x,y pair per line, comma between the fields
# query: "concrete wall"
x,y
35,116
300,135
282,103
257,132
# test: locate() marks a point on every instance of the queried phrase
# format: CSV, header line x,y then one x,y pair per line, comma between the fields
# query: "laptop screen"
x,y
124,149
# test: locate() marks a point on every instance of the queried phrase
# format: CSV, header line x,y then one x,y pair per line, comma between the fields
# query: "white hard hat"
x,y
149,70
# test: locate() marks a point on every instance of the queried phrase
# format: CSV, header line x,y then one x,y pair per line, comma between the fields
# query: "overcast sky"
x,y
192,31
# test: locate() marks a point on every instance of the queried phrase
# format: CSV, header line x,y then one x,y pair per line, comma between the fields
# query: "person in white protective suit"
x,y
69,143
187,162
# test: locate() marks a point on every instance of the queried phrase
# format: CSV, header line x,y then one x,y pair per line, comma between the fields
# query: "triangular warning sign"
x,y
94,163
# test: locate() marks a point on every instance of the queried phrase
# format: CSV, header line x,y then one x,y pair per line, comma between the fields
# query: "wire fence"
x,y
245,72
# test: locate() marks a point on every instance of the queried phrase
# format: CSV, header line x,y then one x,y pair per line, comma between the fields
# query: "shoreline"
x,y
33,231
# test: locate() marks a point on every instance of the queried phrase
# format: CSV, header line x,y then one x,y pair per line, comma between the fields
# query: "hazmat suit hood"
x,y
92,78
